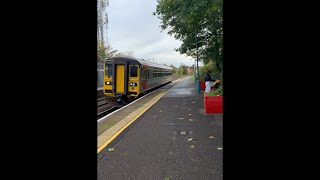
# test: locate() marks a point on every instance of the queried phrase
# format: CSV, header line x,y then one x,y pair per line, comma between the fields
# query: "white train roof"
x,y
142,61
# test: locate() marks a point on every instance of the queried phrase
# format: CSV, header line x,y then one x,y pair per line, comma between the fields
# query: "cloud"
x,y
133,28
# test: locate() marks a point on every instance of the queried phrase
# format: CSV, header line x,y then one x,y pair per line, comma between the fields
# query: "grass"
x,y
193,78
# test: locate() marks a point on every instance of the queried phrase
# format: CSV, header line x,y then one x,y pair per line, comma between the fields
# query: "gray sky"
x,y
132,27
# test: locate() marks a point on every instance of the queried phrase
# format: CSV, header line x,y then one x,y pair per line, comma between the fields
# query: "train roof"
x,y
141,61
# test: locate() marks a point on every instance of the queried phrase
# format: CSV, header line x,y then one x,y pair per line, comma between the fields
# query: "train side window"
x,y
108,69
133,70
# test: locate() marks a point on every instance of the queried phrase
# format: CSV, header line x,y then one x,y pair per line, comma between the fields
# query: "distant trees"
x,y
183,69
105,52
129,54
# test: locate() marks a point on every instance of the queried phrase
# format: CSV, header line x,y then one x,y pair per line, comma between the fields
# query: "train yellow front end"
x,y
122,79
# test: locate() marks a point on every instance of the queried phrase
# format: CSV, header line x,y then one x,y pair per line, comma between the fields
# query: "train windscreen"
x,y
133,70
109,69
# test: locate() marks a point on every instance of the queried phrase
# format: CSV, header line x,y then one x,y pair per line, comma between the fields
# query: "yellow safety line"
x,y
123,128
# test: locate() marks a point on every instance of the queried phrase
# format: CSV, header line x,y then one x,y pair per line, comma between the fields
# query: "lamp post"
x,y
197,77
194,69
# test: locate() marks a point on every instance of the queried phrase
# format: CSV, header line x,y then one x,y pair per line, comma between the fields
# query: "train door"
x,y
120,78
144,77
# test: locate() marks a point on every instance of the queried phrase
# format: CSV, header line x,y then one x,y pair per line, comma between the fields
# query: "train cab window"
x,y
108,69
133,70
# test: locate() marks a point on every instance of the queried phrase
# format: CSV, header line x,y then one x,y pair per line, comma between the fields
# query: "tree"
x,y
174,69
209,67
102,52
105,52
187,18
183,68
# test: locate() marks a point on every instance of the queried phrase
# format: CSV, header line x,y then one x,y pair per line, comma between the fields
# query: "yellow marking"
x,y
120,79
123,128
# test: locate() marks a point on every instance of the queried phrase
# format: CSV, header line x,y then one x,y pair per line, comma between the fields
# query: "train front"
x,y
121,80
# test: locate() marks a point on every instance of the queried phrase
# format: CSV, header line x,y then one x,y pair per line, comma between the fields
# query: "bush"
x,y
209,67
217,92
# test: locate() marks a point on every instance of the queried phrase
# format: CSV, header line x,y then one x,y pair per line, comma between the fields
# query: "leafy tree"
x,y
184,69
174,71
101,53
209,67
187,18
105,52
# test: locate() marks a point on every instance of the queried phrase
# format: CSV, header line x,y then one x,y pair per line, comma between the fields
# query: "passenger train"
x,y
126,78
100,76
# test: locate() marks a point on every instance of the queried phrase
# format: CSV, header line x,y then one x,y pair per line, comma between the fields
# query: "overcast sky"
x,y
133,28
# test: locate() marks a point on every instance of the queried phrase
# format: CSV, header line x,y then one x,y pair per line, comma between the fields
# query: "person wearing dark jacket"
x,y
208,80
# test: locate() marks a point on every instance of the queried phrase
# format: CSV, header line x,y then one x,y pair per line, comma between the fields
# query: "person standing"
x,y
208,80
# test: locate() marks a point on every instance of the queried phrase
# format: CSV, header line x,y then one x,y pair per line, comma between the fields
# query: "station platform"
x,y
164,135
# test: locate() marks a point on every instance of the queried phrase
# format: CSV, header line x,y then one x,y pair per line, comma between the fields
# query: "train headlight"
x,y
108,83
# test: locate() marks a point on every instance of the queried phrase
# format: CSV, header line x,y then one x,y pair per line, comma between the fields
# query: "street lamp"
x,y
197,78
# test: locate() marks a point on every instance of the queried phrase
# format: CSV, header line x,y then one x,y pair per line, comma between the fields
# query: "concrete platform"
x,y
166,137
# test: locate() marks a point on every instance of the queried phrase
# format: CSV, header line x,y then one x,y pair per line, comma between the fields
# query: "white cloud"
x,y
133,28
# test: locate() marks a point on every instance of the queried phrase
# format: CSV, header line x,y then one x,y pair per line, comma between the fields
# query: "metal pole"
x,y
198,78
195,70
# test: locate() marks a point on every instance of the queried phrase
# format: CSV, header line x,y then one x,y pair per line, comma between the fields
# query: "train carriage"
x,y
126,78
100,74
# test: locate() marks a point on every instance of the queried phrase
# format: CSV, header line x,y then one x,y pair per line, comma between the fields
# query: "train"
x,y
126,78
100,76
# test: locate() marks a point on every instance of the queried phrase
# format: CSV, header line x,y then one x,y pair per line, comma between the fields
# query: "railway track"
x,y
105,106
106,112
101,101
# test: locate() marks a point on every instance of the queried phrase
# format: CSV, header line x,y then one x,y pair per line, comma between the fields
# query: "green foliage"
x,y
105,52
180,71
217,92
209,67
101,53
174,71
193,78
183,68
185,18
